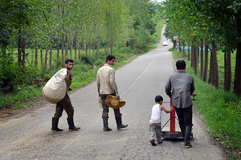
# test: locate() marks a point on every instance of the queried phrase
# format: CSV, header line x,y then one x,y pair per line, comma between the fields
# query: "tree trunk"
x,y
23,51
46,58
228,71
58,39
36,53
180,50
66,46
19,47
62,47
196,55
174,44
79,50
215,65
75,46
98,49
188,57
201,59
237,78
41,55
86,50
192,55
183,49
63,35
210,80
71,46
50,57
90,47
205,72
58,45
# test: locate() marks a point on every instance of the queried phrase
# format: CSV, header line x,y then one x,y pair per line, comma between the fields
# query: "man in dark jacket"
x,y
180,87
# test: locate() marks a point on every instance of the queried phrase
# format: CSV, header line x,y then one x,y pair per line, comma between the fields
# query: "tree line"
x,y
69,27
208,25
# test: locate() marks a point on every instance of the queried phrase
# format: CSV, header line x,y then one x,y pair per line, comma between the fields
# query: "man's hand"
x,y
69,73
117,96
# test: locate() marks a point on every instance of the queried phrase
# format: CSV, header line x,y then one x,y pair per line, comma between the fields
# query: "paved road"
x,y
29,137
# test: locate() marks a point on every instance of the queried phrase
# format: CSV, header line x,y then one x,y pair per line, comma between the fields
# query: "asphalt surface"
x,y
28,137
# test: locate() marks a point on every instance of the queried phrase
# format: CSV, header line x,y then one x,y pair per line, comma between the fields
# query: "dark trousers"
x,y
105,113
66,105
184,116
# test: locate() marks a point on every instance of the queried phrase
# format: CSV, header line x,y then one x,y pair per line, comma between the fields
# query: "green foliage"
x,y
221,112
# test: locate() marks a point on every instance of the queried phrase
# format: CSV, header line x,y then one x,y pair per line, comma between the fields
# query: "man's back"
x,y
180,85
106,79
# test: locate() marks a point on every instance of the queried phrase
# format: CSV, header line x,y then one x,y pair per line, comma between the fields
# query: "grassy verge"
x,y
221,112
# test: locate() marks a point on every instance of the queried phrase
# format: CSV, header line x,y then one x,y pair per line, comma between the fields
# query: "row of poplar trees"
x,y
73,25
208,25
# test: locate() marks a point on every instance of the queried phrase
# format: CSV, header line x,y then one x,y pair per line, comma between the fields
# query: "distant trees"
x,y
211,23
70,26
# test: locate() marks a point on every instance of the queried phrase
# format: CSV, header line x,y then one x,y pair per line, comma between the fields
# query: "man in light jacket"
x,y
107,86
180,87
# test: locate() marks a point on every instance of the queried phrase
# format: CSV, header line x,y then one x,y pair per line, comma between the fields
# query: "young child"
x,y
155,122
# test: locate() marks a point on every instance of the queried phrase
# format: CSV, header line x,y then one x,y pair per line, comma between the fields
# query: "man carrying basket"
x,y
107,88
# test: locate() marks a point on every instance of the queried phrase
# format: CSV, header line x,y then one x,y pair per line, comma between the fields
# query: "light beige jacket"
x,y
106,80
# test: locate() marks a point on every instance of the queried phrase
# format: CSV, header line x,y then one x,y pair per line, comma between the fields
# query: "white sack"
x,y
55,89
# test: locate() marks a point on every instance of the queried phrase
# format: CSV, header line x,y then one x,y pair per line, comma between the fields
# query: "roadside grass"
x,y
221,112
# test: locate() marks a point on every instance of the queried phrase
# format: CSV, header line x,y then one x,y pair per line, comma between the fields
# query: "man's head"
x,y
110,60
69,64
181,65
158,99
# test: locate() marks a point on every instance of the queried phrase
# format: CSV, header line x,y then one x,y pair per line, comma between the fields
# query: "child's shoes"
x,y
153,142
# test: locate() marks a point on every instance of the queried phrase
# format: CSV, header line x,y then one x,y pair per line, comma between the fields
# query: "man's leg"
x,y
118,119
67,105
180,116
105,114
57,115
188,126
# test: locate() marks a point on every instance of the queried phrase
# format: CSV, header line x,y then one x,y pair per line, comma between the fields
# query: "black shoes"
x,y
119,123
153,142
55,122
71,125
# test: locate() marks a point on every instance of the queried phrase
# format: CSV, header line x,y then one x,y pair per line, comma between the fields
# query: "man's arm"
x,y
112,80
68,80
168,87
98,82
192,86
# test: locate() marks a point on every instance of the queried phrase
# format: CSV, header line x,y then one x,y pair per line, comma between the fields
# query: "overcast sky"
x,y
160,0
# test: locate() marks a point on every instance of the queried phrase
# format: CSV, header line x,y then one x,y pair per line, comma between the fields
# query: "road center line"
x,y
138,77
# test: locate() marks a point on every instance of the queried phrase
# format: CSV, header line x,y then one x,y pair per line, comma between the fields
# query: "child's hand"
x,y
171,108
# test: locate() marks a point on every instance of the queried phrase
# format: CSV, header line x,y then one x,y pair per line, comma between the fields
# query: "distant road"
x,y
29,137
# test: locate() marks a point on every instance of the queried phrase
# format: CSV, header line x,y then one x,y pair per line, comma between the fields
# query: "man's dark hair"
x,y
158,98
110,57
68,60
181,64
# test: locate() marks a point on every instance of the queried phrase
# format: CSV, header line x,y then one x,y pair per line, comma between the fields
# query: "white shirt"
x,y
156,114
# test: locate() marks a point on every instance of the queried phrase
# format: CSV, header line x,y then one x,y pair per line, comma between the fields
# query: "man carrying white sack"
x,y
65,104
